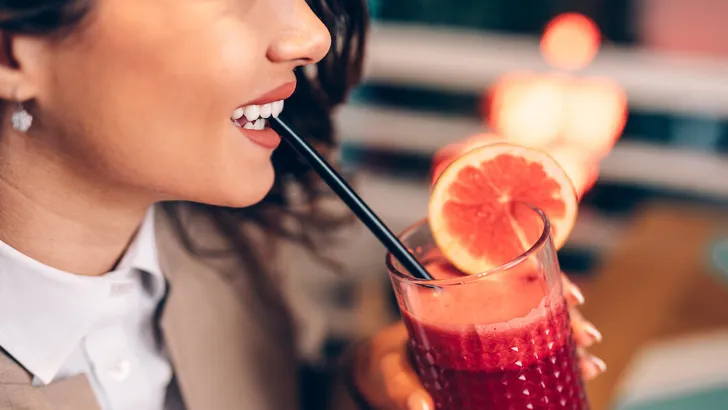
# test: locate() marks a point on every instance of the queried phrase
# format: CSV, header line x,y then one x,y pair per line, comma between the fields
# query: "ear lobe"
x,y
15,78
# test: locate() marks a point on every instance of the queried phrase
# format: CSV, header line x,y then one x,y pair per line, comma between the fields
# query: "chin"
x,y
243,192
233,187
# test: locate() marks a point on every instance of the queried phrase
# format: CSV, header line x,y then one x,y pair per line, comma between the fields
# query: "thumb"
x,y
419,401
403,387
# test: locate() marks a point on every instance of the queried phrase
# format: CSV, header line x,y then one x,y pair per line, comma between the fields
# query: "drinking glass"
x,y
500,339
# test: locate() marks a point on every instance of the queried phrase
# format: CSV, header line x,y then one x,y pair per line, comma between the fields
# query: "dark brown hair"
x,y
309,110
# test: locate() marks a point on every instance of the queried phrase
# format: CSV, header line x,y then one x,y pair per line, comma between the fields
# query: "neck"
x,y
58,217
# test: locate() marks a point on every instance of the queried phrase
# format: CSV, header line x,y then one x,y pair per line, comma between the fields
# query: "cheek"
x,y
156,113
181,89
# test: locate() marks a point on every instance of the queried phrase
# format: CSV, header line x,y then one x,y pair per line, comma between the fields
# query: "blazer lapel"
x,y
73,393
18,392
221,357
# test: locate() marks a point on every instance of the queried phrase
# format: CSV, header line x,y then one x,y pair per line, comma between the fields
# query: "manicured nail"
x,y
592,331
576,292
599,363
417,402
595,368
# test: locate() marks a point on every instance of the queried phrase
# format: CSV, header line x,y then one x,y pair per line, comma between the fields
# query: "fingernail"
x,y
599,363
576,292
592,331
596,367
417,402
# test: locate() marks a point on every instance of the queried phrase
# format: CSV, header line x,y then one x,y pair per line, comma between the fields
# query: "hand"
x,y
585,334
384,376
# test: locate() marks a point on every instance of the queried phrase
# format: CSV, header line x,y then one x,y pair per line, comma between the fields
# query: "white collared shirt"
x,y
56,324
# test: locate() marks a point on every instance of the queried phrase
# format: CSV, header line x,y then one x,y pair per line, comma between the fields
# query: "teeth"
x,y
254,112
238,113
259,124
277,108
249,126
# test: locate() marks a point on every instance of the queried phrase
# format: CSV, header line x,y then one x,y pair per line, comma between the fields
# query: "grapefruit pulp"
x,y
479,211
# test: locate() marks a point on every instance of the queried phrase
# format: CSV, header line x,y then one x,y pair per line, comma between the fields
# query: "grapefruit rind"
x,y
449,244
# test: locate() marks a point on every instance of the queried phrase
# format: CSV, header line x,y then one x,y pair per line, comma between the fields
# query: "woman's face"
x,y
142,95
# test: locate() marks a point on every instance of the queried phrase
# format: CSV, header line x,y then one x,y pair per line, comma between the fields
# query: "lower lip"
x,y
266,138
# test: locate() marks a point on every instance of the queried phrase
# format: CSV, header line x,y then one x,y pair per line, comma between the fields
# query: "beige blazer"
x,y
224,358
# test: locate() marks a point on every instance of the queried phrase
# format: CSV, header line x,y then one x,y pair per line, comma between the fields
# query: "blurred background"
x,y
634,92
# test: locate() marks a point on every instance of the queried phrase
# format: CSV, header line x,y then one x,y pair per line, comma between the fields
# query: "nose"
x,y
303,39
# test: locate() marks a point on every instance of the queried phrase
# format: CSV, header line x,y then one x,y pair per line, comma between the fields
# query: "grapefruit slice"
x,y
478,214
446,155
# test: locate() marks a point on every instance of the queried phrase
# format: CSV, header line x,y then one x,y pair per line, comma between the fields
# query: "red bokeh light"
x,y
570,41
574,118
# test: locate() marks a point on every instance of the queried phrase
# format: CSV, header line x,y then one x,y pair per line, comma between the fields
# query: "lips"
x,y
281,93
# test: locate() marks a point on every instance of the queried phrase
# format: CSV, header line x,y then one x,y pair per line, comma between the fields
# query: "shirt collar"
x,y
46,312
142,252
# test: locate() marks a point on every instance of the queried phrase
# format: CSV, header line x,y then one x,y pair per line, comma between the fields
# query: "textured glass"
x,y
498,340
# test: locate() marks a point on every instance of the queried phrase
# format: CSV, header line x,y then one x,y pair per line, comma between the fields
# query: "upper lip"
x,y
277,94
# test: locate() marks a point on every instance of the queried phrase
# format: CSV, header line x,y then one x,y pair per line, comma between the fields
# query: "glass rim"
x,y
534,248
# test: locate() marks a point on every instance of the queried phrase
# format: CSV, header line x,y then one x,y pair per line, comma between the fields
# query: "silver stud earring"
x,y
22,120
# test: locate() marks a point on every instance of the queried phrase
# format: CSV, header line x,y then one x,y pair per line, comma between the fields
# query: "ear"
x,y
19,62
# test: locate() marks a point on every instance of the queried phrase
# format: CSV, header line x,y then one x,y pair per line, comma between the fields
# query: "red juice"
x,y
504,343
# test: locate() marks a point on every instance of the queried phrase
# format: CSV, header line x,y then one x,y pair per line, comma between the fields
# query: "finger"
x,y
585,333
389,339
402,386
396,333
420,401
590,365
572,293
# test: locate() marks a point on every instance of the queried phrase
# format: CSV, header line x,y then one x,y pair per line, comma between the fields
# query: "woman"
x,y
112,106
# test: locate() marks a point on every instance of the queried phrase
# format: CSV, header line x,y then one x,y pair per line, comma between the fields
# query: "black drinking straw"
x,y
350,198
